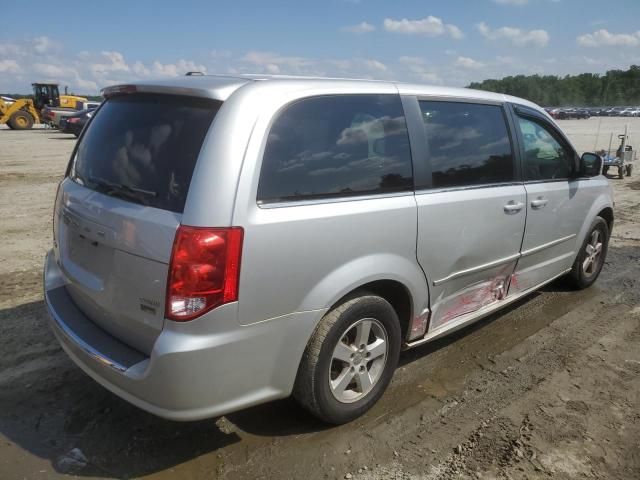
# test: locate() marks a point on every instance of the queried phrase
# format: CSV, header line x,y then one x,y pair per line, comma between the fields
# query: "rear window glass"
x,y
143,148
335,146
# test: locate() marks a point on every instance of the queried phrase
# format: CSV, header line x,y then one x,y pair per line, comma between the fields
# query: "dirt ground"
x,y
549,388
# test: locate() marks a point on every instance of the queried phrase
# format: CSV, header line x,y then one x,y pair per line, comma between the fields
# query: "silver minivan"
x,y
220,242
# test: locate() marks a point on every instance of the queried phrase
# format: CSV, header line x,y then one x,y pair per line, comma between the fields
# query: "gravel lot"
x,y
549,388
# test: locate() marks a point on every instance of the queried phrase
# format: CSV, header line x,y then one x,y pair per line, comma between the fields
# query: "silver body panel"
x,y
114,257
468,246
554,230
458,253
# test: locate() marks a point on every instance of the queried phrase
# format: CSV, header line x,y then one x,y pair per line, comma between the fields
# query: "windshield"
x,y
143,148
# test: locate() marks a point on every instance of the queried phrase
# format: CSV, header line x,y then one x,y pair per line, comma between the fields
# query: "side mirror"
x,y
590,165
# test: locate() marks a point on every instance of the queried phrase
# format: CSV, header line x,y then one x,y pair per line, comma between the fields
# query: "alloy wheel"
x,y
593,249
358,360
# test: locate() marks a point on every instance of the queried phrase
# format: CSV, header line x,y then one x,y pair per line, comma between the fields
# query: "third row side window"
x,y
468,144
334,146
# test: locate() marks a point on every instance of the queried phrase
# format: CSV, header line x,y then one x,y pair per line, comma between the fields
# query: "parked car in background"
x,y
220,242
552,111
76,122
615,111
91,105
53,115
568,113
630,112
581,113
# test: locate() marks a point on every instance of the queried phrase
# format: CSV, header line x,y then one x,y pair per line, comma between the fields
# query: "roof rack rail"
x,y
194,74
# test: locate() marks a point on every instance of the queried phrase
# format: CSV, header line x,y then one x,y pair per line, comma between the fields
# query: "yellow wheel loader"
x,y
21,114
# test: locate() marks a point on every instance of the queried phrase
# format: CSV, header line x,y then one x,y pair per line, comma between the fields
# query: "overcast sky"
x,y
88,45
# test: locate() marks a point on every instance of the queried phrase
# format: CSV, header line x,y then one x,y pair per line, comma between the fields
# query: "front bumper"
x,y
199,369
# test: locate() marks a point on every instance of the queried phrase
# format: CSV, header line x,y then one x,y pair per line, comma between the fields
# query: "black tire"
x,y
20,120
629,170
312,388
605,170
621,172
578,277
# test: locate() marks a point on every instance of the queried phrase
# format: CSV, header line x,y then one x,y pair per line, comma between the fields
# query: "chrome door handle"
x,y
513,207
539,202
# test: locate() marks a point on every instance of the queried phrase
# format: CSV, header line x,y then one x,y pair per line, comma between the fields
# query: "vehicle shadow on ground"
x,y
50,407
286,417
512,323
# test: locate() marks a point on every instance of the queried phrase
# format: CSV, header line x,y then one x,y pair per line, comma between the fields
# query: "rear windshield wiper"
x,y
111,188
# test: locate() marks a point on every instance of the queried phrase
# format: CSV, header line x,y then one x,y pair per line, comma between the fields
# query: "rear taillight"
x,y
204,270
73,120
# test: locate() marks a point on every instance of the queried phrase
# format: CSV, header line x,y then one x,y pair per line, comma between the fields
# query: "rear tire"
x,y
592,254
346,366
20,120
621,172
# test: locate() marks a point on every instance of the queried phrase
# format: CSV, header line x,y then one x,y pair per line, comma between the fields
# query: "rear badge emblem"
x,y
148,305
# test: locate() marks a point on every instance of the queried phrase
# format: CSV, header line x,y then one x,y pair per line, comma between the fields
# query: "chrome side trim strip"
x,y
427,190
547,245
334,199
88,349
479,268
464,320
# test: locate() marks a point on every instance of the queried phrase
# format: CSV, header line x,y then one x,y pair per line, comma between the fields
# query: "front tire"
x,y
20,120
350,359
592,254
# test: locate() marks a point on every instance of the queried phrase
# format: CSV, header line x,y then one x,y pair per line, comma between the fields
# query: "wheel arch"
x,y
394,292
607,214
601,207
398,280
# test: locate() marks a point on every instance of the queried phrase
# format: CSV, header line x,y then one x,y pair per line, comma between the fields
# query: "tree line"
x,y
614,88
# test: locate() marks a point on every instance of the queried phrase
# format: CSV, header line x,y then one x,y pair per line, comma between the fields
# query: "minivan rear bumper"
x,y
198,369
